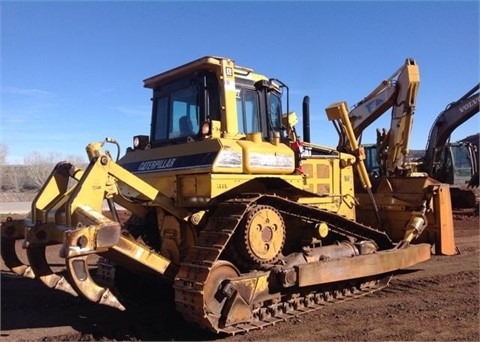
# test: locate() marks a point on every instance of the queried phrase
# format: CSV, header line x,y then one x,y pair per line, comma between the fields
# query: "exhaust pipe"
x,y
306,119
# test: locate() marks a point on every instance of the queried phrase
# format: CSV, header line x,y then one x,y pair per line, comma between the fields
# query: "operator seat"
x,y
186,126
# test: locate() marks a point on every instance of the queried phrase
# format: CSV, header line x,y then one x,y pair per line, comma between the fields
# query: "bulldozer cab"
x,y
212,98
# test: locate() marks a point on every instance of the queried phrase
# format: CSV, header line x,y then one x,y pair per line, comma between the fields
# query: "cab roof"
x,y
212,63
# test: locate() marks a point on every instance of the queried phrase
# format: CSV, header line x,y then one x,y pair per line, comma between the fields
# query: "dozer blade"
x,y
43,272
12,231
400,199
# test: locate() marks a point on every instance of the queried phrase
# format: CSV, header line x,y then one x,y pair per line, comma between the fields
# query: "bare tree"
x,y
38,167
32,174
12,177
3,169
3,154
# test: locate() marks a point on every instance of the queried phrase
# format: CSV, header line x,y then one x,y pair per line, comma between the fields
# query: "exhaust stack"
x,y
306,119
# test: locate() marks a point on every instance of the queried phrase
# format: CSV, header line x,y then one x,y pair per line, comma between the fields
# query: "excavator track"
x,y
193,287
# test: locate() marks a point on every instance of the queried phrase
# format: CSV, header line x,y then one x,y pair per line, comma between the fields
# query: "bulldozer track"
x,y
337,223
192,277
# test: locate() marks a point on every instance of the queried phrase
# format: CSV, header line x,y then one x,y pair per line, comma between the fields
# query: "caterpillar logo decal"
x,y
170,164
157,164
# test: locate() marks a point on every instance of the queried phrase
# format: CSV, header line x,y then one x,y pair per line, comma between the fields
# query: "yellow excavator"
x,y
248,224
397,189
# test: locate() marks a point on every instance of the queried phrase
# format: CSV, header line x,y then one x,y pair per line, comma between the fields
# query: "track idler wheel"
x,y
85,285
213,299
263,234
223,303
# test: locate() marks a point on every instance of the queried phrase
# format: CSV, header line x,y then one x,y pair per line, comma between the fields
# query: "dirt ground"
x,y
434,301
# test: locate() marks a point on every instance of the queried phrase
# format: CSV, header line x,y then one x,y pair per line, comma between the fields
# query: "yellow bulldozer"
x,y
249,225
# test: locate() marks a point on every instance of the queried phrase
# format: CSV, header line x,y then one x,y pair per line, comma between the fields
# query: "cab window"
x,y
247,111
176,114
180,107
276,112
184,113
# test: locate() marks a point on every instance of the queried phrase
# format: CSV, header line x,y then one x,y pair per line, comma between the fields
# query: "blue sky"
x,y
72,72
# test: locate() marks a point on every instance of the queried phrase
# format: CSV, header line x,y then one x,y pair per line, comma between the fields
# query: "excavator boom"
x,y
398,92
396,187
455,114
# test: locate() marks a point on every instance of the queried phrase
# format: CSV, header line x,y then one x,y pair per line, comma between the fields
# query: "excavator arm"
x,y
398,92
396,189
455,114
418,221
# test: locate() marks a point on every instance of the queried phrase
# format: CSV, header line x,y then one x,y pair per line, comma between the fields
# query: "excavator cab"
x,y
456,163
371,163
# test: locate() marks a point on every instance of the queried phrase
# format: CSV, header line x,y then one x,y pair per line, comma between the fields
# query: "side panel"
x,y
264,157
196,190
326,178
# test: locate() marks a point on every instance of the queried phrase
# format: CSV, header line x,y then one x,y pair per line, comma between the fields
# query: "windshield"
x,y
247,111
461,160
276,112
177,115
179,108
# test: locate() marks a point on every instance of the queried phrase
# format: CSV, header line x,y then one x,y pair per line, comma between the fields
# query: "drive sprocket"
x,y
263,234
